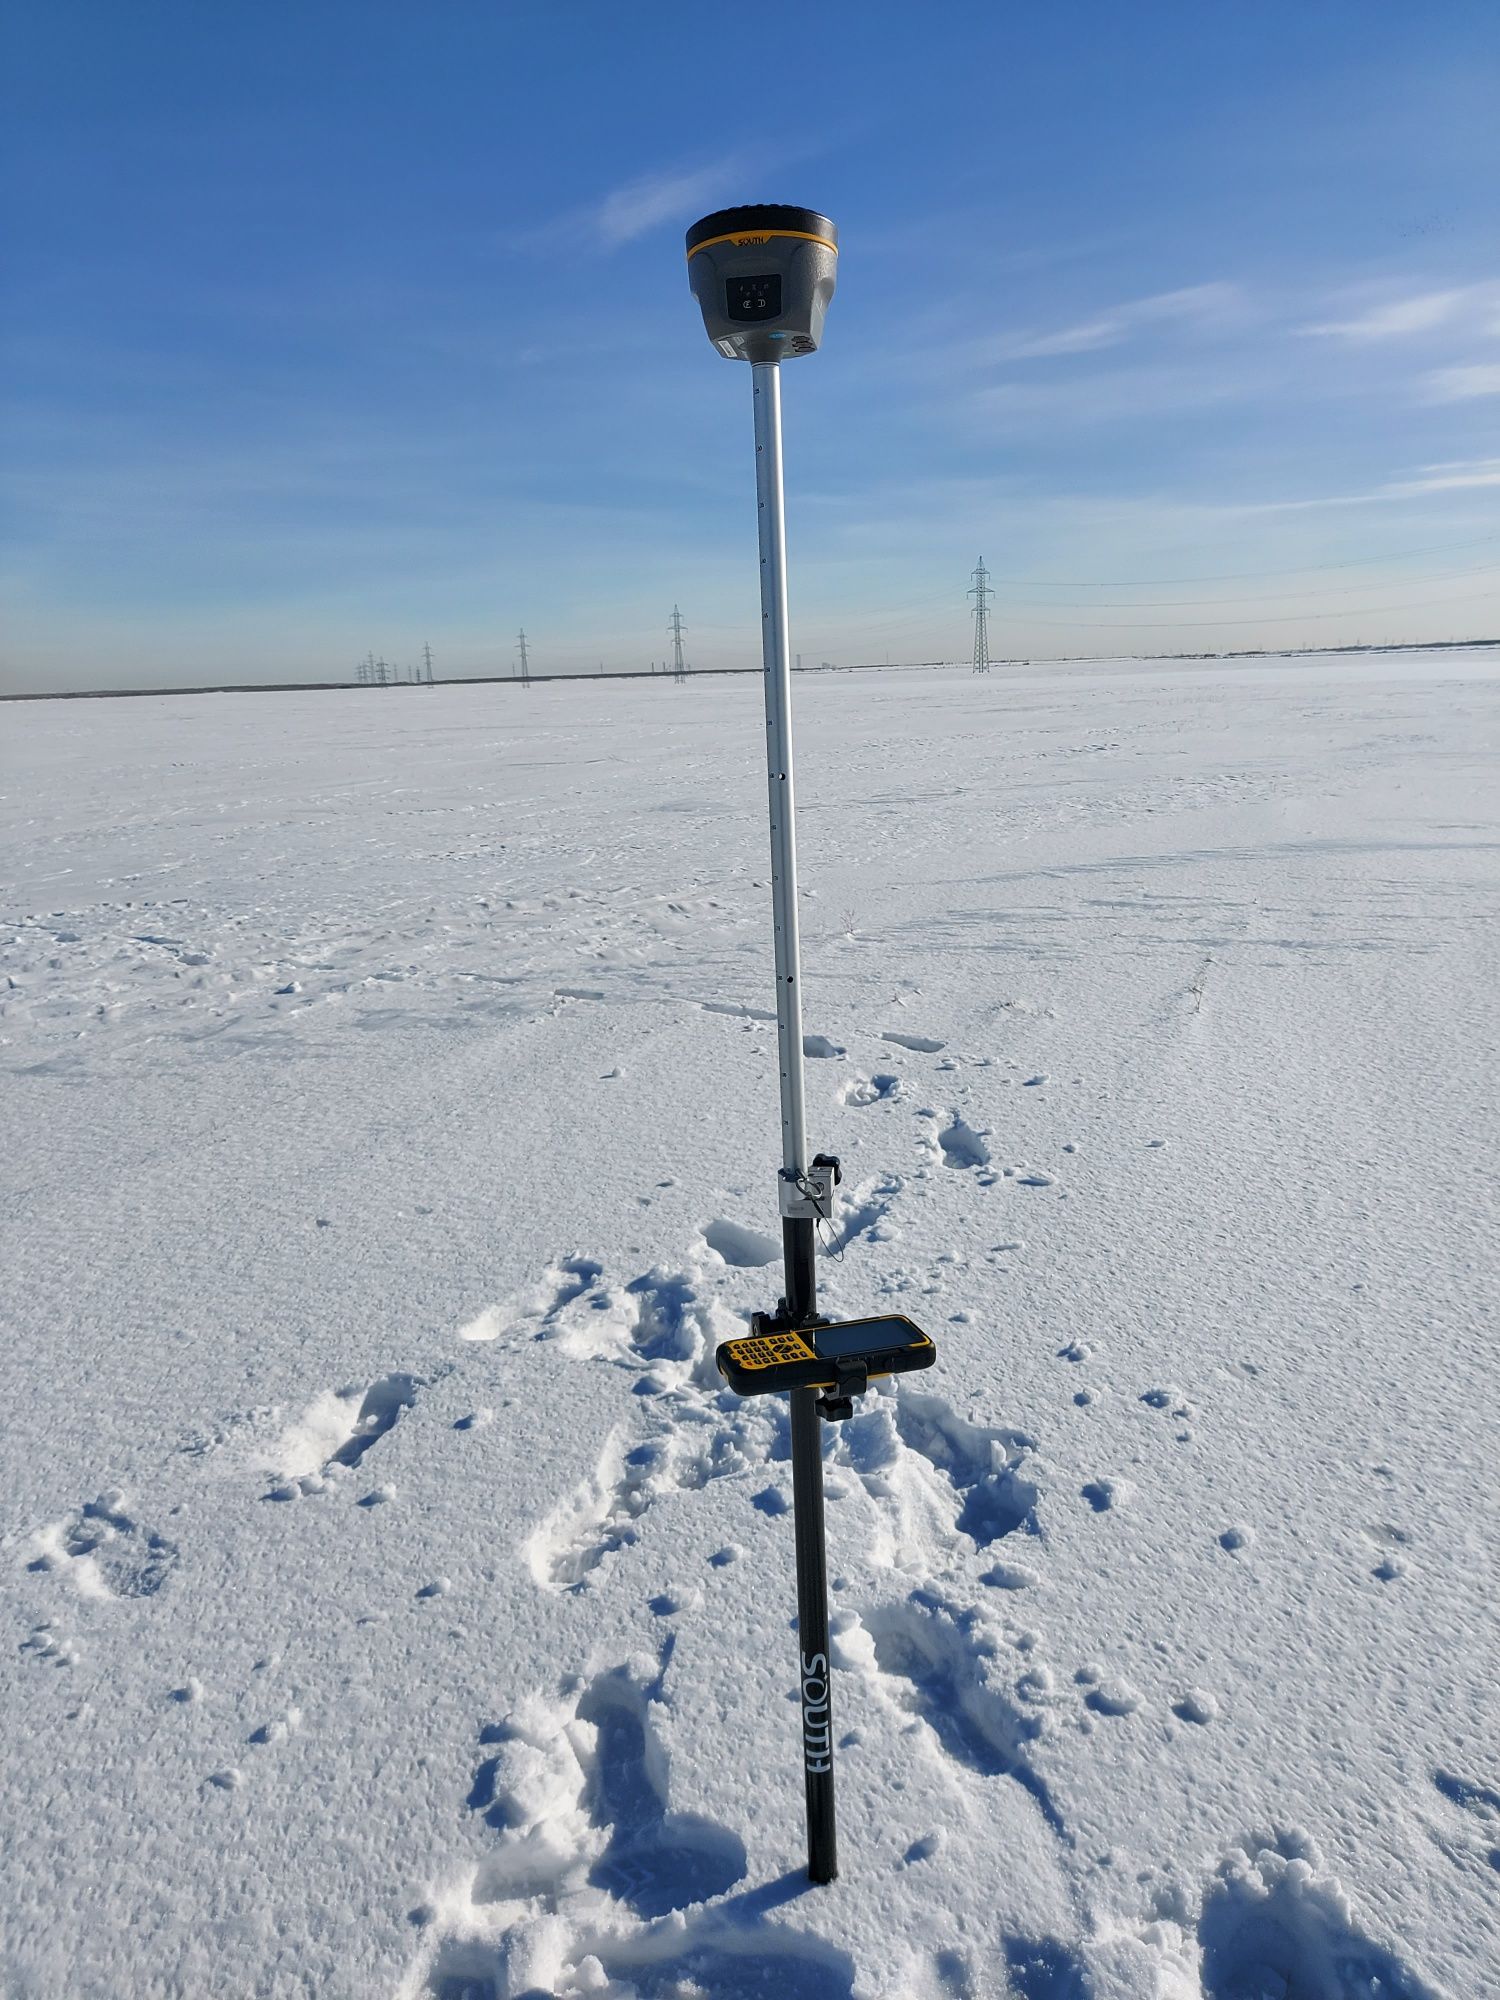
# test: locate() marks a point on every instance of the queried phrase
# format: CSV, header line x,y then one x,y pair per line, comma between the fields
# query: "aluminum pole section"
x,y
814,1674
766,378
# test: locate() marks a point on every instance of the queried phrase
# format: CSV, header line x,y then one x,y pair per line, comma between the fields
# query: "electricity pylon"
x,y
674,626
427,660
981,592
525,663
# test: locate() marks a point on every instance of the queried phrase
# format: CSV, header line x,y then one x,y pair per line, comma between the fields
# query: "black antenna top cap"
x,y
769,215
763,275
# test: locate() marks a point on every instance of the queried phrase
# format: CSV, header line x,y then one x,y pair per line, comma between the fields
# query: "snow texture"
x,y
398,1604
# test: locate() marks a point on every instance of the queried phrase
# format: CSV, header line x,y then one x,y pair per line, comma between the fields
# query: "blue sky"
x,y
338,327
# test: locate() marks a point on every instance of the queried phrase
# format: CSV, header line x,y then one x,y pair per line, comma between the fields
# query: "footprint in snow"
x,y
983,1467
1196,1705
604,1514
583,1814
105,1551
935,1662
278,1729
881,1088
1113,1696
337,1430
1010,1576
1480,1802
739,1245
1169,1398
49,1647
1274,1921
1392,1541
962,1146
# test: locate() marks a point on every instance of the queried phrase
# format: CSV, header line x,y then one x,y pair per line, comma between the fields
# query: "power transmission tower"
x,y
364,673
427,660
525,663
679,671
380,672
981,592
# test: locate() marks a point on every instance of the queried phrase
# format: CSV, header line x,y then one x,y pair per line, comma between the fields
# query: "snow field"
x,y
399,1602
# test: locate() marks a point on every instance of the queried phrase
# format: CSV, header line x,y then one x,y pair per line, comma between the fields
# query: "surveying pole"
x,y
763,276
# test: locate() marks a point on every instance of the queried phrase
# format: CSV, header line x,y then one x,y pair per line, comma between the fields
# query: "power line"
x,y
1344,590
1291,618
914,607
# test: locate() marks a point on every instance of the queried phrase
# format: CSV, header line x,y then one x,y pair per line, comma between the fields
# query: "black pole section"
x,y
797,1256
814,1667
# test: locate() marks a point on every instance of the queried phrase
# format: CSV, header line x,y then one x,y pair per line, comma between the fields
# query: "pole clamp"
x,y
852,1378
809,1196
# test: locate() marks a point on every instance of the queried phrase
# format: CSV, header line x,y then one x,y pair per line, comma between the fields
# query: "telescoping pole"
x,y
814,1674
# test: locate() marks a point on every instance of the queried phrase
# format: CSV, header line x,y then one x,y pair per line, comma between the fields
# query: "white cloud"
x,y
651,199
1457,473
1193,306
1067,340
1468,308
645,202
1414,315
1113,392
1457,385
1456,476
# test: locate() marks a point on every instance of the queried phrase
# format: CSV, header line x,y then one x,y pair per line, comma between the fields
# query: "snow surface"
x,y
398,1605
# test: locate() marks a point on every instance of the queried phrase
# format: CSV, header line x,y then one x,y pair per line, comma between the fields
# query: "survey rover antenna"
x,y
763,276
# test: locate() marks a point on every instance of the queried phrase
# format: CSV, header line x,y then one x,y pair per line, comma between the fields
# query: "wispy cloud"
x,y
651,199
1192,307
1457,385
1398,316
1457,473
1111,394
1420,312
644,202
1080,339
